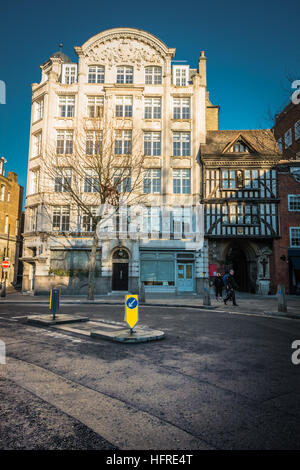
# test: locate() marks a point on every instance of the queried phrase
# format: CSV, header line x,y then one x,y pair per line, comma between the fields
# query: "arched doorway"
x,y
120,261
236,259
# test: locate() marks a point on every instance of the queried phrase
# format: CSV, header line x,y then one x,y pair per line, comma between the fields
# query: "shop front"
x,y
166,271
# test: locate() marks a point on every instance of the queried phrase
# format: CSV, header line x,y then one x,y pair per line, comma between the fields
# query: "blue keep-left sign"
x,y
131,302
131,310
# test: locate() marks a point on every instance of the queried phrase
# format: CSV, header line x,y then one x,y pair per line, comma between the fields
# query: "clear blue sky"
x,y
251,47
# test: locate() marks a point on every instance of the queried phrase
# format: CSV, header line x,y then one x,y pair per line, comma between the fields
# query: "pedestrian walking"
x,y
230,286
219,284
225,277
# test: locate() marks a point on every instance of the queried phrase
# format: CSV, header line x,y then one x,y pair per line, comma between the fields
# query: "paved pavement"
x,y
219,380
247,303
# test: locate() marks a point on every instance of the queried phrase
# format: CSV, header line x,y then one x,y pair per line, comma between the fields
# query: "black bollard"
x,y
142,295
54,301
206,297
282,307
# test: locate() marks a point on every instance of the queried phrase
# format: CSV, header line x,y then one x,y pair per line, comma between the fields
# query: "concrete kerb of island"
x,y
110,331
61,318
137,335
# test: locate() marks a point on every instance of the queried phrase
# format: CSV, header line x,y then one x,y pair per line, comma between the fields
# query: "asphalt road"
x,y
217,381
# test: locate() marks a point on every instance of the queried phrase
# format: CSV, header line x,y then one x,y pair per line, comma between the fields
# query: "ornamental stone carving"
x,y
121,52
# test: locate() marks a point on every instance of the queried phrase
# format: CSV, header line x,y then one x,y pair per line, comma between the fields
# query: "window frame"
x,y
153,78
183,150
94,143
288,138
37,144
67,77
124,186
88,221
155,110
152,145
95,103
181,179
99,74
181,80
290,196
181,114
64,219
66,141
39,109
154,184
291,237
125,71
66,106
91,182
62,181
122,108
123,142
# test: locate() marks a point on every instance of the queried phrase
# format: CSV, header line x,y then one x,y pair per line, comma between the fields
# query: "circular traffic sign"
x,y
5,264
131,302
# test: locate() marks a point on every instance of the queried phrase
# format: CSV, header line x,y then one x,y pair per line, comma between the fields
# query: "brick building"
x,y
11,197
287,131
285,260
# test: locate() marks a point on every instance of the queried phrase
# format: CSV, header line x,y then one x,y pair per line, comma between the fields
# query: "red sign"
x,y
5,264
212,270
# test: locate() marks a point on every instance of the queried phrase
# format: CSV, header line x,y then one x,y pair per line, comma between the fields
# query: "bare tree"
x,y
100,164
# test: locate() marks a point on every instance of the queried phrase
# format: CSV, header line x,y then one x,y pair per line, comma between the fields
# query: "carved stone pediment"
x,y
121,51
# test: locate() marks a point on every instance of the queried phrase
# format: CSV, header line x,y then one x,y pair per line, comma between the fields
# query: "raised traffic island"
x,y
49,320
125,335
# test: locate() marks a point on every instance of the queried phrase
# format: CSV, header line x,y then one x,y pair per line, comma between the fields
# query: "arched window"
x,y
120,254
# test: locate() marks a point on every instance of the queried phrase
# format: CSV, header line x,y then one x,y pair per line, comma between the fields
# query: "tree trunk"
x,y
92,267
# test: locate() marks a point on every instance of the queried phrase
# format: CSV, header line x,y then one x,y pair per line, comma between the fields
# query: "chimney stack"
x,y
202,69
2,161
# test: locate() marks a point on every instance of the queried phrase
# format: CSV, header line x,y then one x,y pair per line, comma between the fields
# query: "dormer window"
x,y
180,75
239,147
69,74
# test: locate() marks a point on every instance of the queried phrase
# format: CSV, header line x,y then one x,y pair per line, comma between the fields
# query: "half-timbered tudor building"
x,y
239,191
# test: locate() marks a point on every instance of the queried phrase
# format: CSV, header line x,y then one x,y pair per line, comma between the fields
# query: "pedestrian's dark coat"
x,y
230,283
218,282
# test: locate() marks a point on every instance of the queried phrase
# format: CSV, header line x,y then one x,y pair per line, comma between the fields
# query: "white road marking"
x,y
52,334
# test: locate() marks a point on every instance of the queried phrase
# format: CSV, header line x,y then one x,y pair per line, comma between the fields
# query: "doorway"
x,y
120,270
185,278
236,260
120,276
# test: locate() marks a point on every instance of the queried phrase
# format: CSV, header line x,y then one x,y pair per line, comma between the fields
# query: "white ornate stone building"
x,y
131,72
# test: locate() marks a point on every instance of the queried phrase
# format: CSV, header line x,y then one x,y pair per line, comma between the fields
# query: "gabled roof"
x,y
260,141
239,138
